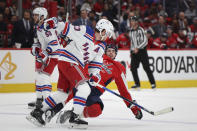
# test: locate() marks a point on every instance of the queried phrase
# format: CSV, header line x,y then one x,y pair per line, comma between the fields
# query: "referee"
x,y
139,53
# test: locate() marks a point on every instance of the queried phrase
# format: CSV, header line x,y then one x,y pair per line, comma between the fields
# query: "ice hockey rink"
x,y
116,117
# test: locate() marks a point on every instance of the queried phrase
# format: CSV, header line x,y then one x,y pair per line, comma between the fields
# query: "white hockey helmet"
x,y
107,25
41,11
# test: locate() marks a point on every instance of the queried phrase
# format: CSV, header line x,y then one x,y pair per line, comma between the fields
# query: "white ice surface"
x,y
116,117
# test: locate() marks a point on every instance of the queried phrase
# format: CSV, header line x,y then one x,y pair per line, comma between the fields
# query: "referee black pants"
x,y
136,59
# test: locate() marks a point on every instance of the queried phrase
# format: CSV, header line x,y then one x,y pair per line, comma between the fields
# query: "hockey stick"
x,y
160,112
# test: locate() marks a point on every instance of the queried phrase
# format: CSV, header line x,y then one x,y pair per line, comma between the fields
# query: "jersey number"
x,y
48,33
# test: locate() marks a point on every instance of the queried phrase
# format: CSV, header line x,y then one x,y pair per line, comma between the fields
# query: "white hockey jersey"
x,y
48,38
82,50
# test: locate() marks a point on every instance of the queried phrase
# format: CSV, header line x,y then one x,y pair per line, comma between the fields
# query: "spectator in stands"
x,y
193,27
13,9
3,29
126,23
3,25
123,24
190,12
159,28
107,12
83,20
123,40
174,23
172,38
27,4
194,42
2,6
61,13
161,42
161,11
92,16
182,39
152,15
182,21
88,4
23,31
149,35
98,6
7,15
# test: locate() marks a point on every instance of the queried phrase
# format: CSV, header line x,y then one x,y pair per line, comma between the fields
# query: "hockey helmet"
x,y
41,11
113,47
106,25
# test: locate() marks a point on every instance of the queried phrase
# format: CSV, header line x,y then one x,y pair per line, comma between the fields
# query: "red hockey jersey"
x,y
113,70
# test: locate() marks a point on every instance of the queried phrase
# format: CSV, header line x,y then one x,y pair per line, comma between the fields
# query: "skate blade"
x,y
62,118
34,121
58,121
77,126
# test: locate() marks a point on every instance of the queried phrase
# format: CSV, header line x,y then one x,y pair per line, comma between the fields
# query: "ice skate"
x,y
38,103
76,122
64,116
49,114
35,117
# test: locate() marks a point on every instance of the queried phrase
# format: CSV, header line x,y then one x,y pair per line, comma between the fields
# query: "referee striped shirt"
x,y
138,38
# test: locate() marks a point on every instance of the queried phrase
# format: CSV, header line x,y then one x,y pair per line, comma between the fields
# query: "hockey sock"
x,y
79,104
92,111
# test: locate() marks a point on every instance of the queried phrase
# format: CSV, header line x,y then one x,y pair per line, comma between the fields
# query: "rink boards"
x,y
171,69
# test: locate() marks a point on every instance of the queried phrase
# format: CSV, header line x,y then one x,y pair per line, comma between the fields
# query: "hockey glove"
x,y
94,79
51,23
42,60
136,111
35,49
64,41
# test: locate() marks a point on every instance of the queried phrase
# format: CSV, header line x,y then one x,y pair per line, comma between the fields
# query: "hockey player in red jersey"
x,y
111,70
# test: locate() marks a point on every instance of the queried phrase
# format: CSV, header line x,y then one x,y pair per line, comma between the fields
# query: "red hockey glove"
x,y
94,79
35,49
42,60
136,111
63,42
51,23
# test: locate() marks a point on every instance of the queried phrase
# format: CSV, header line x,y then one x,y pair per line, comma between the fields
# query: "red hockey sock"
x,y
92,111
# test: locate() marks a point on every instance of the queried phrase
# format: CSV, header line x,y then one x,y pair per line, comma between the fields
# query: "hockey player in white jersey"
x,y
44,41
71,64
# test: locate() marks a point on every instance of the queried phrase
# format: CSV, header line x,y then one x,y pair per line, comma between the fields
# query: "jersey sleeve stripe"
x,y
70,56
53,42
102,45
66,29
88,37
